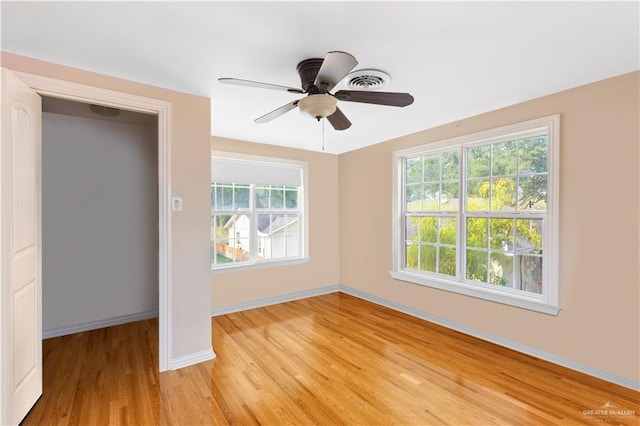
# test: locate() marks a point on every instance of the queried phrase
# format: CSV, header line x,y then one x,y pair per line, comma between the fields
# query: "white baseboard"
x,y
190,359
260,303
94,325
493,339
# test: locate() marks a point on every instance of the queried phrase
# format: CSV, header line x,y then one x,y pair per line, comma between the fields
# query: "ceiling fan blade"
x,y
338,120
335,67
239,82
379,98
276,113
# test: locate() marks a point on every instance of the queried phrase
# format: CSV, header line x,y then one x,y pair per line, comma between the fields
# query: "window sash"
x,y
548,218
461,216
252,212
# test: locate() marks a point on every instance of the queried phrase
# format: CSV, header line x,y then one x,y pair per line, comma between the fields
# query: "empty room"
x,y
320,213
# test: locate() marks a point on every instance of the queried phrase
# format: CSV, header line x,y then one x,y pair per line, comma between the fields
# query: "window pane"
x,y
532,154
503,194
262,197
431,168
219,240
268,224
478,161
428,258
277,198
477,232
448,230
219,221
231,238
411,255
413,170
529,273
292,235
265,222
278,236
449,199
429,229
447,261
503,158
227,198
529,236
413,197
278,247
501,269
478,195
242,197
430,196
223,196
411,231
532,193
477,265
291,198
450,165
501,234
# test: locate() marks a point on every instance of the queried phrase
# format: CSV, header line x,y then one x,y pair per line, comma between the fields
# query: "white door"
x,y
20,250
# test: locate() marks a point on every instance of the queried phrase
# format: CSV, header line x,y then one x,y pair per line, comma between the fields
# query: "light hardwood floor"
x,y
329,360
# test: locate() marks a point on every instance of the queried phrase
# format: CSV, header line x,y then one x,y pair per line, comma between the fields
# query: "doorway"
x,y
45,86
100,216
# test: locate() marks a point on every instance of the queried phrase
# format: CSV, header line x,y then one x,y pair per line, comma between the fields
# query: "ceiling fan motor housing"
x,y
308,71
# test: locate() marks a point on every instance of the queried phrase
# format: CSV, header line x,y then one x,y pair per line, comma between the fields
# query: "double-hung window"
x,y
257,211
478,215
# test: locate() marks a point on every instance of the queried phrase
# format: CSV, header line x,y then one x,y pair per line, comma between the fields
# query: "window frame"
x,y
548,301
253,212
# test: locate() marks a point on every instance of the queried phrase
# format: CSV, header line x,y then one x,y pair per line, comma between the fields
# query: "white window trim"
x,y
548,302
264,264
303,214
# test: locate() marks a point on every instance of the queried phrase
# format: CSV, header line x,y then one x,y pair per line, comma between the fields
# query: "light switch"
x,y
176,204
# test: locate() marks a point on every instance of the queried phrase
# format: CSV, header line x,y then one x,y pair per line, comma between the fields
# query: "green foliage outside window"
x,y
502,177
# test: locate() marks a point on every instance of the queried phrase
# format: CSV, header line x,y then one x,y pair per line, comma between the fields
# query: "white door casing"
x,y
21,250
94,95
81,93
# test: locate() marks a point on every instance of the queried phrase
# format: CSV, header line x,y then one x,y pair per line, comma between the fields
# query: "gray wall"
x,y
100,213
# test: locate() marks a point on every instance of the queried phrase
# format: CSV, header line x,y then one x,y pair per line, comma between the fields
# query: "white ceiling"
x,y
456,58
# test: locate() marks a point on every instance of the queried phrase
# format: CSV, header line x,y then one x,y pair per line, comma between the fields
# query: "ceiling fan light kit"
x,y
318,106
318,77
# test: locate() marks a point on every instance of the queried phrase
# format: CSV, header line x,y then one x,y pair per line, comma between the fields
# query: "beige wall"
x,y
190,170
322,270
598,325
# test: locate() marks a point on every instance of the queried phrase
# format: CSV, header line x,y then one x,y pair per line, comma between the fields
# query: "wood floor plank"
x,y
327,360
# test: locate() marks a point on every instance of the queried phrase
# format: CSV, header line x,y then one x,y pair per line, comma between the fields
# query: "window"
x,y
257,211
478,215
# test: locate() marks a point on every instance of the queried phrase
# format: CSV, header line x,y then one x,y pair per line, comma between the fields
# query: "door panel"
x,y
21,254
24,179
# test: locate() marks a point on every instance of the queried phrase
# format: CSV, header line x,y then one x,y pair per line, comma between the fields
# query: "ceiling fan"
x,y
318,78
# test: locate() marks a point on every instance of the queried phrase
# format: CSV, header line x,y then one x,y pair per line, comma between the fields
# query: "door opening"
x,y
100,216
61,89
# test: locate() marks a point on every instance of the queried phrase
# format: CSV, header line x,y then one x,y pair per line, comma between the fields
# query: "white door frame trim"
x,y
88,94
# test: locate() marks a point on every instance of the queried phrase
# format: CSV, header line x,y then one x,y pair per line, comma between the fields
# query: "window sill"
x,y
524,302
259,265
